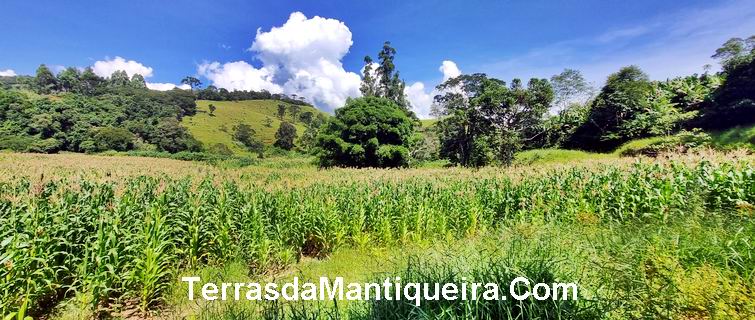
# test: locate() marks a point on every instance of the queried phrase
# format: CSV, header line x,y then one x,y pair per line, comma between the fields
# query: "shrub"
x,y
16,143
367,132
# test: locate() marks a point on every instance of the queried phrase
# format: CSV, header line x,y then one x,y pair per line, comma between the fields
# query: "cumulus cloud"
x,y
105,68
302,56
166,86
422,100
7,73
449,70
239,75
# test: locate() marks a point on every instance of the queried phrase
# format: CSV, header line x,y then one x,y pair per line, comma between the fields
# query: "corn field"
x,y
126,241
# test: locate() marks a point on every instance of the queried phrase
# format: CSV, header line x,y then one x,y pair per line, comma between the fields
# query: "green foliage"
x,y
285,136
570,87
485,121
384,81
543,156
170,136
45,81
109,138
220,149
84,236
616,113
681,142
367,132
245,135
734,101
85,103
281,111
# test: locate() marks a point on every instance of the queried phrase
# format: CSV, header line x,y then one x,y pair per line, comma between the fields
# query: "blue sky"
x,y
505,39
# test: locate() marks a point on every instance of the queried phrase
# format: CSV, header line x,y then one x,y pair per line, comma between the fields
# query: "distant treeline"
x,y
215,94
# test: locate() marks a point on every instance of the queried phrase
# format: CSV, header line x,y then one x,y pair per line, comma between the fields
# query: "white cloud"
x,y
449,69
239,75
166,86
303,57
7,73
421,100
105,68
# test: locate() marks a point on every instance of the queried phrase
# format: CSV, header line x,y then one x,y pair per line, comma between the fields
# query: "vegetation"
x,y
382,79
124,241
218,129
82,112
485,121
367,132
285,136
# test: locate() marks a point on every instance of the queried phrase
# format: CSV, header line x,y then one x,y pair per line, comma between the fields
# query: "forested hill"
x,y
79,111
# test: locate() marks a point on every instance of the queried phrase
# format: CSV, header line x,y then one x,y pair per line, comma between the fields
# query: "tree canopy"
x,y
366,132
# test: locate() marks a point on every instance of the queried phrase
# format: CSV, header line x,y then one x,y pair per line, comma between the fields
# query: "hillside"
x,y
218,128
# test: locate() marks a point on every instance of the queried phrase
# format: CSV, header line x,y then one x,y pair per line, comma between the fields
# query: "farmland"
x,y
645,238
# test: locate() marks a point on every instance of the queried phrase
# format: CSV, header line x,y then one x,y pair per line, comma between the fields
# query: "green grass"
x,y
737,137
427,123
637,144
218,128
539,156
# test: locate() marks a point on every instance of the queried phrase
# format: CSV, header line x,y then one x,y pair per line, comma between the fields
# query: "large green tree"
x,y
366,132
485,121
615,114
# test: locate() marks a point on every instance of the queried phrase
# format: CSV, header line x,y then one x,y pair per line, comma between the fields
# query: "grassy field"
x,y
218,128
87,236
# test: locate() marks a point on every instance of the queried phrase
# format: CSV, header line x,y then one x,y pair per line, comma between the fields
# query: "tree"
x,y
119,78
366,132
735,51
90,81
281,111
268,122
294,110
193,82
569,87
368,87
45,81
732,103
284,137
212,109
485,121
245,135
615,114
385,81
170,136
110,138
70,80
306,117
137,82
308,139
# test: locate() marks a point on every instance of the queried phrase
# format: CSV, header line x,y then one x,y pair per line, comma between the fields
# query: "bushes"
x,y
367,132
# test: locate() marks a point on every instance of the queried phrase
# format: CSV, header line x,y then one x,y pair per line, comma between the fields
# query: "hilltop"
x,y
218,128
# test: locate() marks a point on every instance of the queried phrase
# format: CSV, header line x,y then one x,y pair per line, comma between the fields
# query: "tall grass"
x,y
118,245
